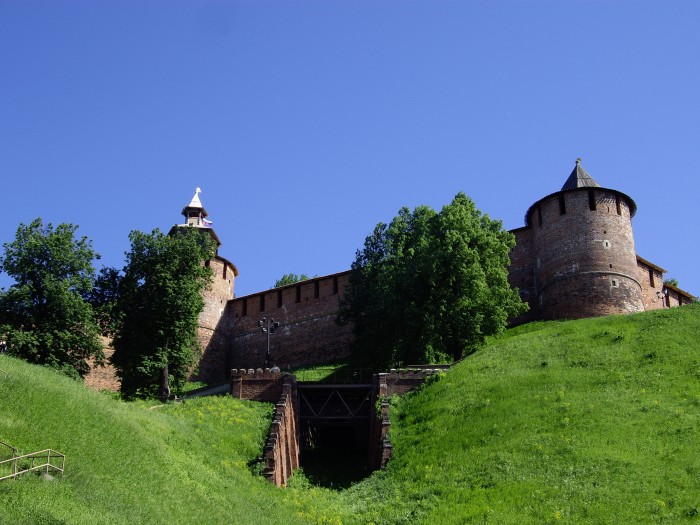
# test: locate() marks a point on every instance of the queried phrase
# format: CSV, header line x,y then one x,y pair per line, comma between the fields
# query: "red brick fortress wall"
x,y
281,453
307,334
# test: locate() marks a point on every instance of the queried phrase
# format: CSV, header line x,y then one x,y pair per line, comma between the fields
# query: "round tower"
x,y
585,260
212,330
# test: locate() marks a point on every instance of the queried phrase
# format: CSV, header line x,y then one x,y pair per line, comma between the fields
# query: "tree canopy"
x,y
290,278
157,305
429,287
44,314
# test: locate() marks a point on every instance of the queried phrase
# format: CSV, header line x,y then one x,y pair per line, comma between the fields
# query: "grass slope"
x,y
591,421
128,464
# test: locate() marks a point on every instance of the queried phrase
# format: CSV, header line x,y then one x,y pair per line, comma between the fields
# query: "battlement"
x,y
257,384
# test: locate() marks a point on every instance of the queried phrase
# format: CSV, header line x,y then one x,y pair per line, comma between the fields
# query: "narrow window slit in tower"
x,y
562,204
298,291
244,308
316,289
335,285
591,200
279,298
618,205
651,277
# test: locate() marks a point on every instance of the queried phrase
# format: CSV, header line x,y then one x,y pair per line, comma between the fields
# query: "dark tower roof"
x,y
579,179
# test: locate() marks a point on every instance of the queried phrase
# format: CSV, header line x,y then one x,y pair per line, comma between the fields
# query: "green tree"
x,y
104,297
290,278
158,304
429,287
44,314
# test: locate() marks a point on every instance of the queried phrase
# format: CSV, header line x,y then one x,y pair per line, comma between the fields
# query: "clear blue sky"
x,y
307,123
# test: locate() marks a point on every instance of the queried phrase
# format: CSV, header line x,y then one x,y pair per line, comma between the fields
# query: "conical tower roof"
x,y
195,204
579,179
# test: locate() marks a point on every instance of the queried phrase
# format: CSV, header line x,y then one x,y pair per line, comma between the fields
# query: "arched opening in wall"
x,y
335,428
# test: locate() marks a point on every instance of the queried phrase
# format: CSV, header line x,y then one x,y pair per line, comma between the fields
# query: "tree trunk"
x,y
164,386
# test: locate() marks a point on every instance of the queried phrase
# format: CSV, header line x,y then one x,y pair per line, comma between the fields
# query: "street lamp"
x,y
269,326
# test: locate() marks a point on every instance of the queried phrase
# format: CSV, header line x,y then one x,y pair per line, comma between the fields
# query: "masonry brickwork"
x,y
308,333
575,257
212,331
282,452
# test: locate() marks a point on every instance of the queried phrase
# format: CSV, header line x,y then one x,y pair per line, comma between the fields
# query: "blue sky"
x,y
307,123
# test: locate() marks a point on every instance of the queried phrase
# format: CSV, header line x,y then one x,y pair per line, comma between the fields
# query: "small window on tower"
x,y
651,277
298,292
279,298
335,285
316,289
591,199
562,204
225,270
618,204
244,307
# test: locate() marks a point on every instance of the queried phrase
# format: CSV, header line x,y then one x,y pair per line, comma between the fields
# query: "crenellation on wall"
x,y
575,257
257,384
281,452
308,333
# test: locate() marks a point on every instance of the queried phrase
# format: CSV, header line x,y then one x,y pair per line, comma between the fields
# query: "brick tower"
x,y
584,262
211,332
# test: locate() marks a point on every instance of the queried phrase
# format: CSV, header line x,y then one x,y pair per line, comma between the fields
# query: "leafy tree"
x,y
430,286
158,303
672,281
44,314
290,278
103,297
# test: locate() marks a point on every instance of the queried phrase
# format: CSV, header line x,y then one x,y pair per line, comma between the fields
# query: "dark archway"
x,y
335,425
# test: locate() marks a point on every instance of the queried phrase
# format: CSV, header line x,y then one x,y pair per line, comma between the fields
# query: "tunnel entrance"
x,y
335,424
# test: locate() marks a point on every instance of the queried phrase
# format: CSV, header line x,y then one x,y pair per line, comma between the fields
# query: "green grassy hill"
x,y
591,421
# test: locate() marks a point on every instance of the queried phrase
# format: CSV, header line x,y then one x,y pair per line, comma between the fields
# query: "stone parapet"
x,y
281,453
257,384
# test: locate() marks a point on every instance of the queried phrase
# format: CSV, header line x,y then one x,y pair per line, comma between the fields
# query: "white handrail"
x,y
48,453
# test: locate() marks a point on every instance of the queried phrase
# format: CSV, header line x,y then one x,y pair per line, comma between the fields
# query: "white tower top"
x,y
196,203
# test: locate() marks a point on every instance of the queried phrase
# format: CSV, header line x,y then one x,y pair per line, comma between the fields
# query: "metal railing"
x,y
47,460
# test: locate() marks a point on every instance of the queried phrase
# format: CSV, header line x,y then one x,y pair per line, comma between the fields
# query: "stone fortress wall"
x,y
575,257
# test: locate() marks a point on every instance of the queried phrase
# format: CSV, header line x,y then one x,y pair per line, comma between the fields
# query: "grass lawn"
x,y
592,421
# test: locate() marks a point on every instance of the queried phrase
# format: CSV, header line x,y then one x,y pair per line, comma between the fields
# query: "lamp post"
x,y
268,326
